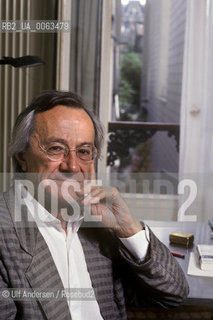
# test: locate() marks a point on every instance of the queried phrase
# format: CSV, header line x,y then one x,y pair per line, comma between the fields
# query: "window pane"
x,y
148,38
135,154
127,35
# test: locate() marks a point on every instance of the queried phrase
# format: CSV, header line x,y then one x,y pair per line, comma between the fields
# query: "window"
x,y
148,44
176,76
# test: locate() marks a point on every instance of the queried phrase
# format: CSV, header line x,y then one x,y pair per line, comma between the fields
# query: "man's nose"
x,y
70,163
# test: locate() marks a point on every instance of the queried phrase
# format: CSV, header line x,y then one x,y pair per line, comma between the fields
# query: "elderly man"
x,y
45,245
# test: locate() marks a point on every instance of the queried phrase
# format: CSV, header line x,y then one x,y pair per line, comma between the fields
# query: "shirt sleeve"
x,y
138,243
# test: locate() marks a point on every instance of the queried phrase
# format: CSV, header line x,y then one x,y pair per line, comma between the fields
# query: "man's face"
x,y
70,127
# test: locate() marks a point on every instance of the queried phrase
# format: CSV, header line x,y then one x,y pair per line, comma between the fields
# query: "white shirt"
x,y
68,255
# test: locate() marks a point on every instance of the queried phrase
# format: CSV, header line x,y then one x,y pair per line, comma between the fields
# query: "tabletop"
x,y
201,288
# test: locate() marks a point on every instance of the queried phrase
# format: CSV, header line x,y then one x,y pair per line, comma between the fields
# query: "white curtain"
x,y
86,50
196,138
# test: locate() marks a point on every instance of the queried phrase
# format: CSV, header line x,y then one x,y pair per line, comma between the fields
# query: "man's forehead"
x,y
63,116
68,122
62,119
64,111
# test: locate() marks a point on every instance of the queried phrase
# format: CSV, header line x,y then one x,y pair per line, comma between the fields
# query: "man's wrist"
x,y
138,243
127,232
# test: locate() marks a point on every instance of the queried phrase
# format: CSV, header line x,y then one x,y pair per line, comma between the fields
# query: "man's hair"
x,y
24,125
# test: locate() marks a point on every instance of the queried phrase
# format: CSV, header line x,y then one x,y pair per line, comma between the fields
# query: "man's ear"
x,y
20,157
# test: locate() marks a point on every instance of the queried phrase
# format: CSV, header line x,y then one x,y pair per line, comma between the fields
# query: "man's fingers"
x,y
100,194
97,194
103,192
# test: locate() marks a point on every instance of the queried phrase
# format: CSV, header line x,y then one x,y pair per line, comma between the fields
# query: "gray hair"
x,y
47,100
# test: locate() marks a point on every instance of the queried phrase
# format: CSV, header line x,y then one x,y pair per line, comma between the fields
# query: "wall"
x,y
162,74
19,85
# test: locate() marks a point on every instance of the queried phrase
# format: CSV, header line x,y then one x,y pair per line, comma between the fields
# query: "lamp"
x,y
21,62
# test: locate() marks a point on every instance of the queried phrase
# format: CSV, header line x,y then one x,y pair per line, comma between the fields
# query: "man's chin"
x,y
68,190
58,202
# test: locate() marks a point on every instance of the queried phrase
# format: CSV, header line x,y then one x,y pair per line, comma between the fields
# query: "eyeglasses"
x,y
56,151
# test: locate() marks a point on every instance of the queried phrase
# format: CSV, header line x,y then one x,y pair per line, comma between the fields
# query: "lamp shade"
x,y
21,62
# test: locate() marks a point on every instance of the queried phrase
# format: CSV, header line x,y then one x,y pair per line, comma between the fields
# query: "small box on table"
x,y
182,239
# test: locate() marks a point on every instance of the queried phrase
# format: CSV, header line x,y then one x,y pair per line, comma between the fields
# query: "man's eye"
x,y
85,151
55,149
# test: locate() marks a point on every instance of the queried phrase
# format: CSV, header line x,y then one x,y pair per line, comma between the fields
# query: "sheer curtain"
x,y
86,17
196,140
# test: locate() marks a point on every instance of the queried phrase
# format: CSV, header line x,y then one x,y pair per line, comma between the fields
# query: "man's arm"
x,y
160,275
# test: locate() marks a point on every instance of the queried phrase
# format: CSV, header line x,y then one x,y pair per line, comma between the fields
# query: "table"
x,y
201,288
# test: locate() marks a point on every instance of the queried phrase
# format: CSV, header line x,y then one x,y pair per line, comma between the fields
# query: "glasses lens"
x,y
56,151
86,153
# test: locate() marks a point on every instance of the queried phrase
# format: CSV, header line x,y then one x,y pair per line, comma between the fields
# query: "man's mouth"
x,y
71,178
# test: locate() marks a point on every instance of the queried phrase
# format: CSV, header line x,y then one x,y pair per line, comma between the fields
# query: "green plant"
x,y
130,79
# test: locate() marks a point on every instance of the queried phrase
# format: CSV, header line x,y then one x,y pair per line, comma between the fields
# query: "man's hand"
x,y
107,203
